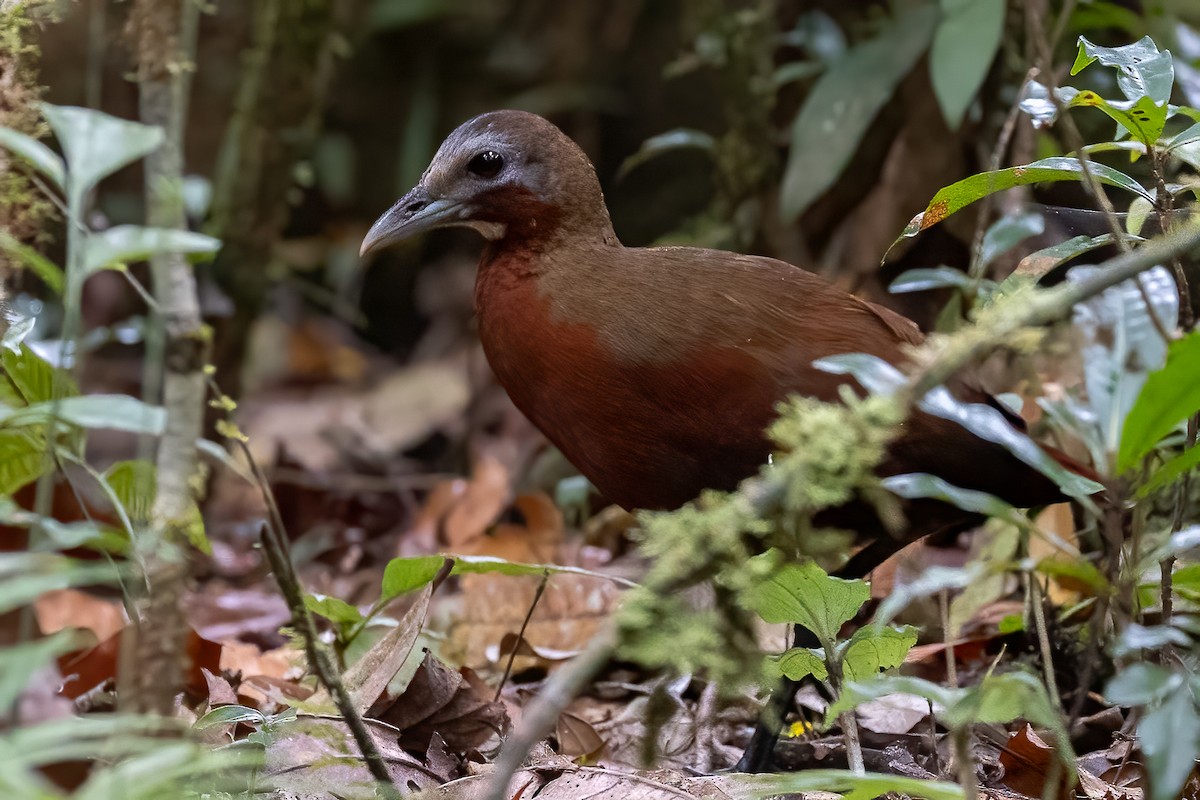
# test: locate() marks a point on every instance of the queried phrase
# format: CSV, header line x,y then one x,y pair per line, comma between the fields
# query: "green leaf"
x,y
34,377
97,145
678,139
1012,696
873,373
1170,472
118,412
332,609
803,594
19,662
134,483
1038,263
226,715
36,154
957,196
856,693
921,485
842,104
1142,71
402,575
1141,684
24,576
1075,569
22,459
923,279
1121,345
479,565
49,272
849,785
1141,118
964,47
875,648
800,662
128,243
989,424
1169,396
1008,232
1170,739
1187,136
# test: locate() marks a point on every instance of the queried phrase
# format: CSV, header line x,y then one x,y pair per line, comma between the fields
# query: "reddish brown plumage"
x,y
657,370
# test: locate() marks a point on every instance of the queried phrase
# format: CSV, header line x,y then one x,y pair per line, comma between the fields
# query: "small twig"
x,y
521,636
948,636
933,749
543,711
966,764
275,546
1043,636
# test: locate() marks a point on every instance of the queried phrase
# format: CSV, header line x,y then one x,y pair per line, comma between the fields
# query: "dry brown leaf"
x,y
70,608
1028,762
480,505
576,737
315,757
442,701
893,713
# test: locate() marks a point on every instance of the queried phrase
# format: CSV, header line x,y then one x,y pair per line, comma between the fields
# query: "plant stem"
x,y
164,34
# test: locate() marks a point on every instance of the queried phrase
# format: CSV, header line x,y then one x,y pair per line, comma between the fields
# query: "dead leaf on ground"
x,y
480,504
893,713
84,670
317,757
1028,763
443,701
557,783
71,608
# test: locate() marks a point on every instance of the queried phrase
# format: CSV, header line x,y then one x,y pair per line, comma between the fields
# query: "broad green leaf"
x,y
134,483
402,575
24,576
1170,472
34,377
873,373
1135,638
1139,212
875,648
923,279
800,662
1140,684
990,425
1142,118
1187,136
36,154
957,196
920,485
96,145
1008,232
128,243
1142,71
118,412
49,272
18,663
803,594
22,459
964,47
842,104
1012,696
849,785
678,139
1169,735
333,609
1169,396
226,715
1121,345
1038,263
879,377
1076,570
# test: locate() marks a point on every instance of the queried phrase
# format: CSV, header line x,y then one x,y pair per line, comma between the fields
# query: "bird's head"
x,y
504,173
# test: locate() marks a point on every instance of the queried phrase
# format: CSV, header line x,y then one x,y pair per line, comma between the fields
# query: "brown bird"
x,y
657,370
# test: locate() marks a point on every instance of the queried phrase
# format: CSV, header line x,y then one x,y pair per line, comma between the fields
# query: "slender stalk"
x,y
164,33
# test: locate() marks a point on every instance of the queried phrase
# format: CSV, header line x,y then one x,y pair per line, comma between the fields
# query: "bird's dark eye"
x,y
486,165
